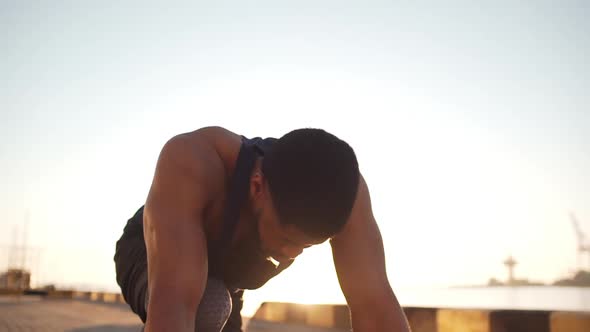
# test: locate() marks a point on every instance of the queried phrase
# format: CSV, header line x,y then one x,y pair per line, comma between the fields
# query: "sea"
x,y
523,298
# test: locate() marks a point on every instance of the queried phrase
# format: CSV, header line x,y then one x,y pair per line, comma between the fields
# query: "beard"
x,y
247,265
244,257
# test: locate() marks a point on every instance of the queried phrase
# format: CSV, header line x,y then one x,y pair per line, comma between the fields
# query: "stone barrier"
x,y
336,317
60,294
569,322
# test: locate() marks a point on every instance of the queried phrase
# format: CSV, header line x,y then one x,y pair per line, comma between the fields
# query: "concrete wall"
x,y
15,279
70,295
570,322
329,316
425,319
90,296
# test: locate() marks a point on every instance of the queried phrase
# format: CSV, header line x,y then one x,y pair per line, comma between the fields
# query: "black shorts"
x,y
131,265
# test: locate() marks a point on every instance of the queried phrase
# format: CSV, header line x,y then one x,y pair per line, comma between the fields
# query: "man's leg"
x,y
215,307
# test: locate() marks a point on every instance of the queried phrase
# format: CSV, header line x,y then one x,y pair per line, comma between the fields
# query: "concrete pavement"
x,y
27,313
32,313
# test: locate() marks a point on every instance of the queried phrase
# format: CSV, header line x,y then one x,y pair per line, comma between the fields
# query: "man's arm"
x,y
174,234
360,265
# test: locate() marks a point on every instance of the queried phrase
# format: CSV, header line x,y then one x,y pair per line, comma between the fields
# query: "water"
x,y
527,298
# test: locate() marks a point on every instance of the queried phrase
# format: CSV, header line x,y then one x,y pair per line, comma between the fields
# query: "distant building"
x,y
580,279
15,279
510,263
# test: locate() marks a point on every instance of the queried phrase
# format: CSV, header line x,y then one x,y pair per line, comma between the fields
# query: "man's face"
x,y
278,241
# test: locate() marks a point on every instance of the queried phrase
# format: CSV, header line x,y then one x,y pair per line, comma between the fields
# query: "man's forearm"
x,y
168,318
170,310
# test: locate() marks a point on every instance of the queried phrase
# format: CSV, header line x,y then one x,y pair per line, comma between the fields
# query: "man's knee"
x,y
215,307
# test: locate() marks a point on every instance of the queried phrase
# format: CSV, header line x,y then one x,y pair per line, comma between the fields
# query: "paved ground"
x,y
34,314
28,314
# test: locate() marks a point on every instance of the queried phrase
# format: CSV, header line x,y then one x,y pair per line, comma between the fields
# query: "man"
x,y
225,213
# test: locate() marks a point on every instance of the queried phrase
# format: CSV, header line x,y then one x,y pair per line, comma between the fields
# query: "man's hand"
x,y
360,264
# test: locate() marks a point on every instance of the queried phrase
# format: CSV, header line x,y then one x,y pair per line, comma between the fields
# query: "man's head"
x,y
306,190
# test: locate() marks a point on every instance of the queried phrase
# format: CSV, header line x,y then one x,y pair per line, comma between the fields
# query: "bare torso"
x,y
227,145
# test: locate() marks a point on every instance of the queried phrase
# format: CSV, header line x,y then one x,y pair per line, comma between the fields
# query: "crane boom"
x,y
578,230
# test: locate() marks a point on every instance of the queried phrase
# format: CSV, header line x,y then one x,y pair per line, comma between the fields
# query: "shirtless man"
x,y
226,213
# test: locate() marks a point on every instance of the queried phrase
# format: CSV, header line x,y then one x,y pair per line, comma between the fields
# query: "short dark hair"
x,y
313,179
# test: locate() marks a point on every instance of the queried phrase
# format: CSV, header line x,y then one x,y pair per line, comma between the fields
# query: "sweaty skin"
x,y
184,208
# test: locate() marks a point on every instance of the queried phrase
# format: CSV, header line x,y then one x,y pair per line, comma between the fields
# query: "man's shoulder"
x,y
205,153
212,139
210,135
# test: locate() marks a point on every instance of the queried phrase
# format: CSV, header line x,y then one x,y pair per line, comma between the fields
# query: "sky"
x,y
470,122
